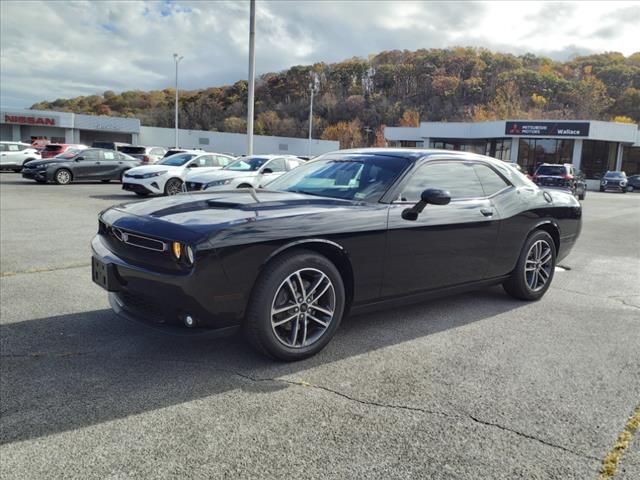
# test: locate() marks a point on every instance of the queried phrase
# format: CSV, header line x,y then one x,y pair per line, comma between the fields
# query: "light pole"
x,y
313,85
177,59
252,75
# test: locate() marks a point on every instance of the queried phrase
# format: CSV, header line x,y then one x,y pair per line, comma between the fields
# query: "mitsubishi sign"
x,y
548,129
30,120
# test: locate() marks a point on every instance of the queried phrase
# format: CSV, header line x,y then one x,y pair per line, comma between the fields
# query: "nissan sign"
x,y
29,120
548,129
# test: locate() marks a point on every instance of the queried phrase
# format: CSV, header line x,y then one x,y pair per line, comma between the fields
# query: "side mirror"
x,y
192,165
434,196
79,159
267,171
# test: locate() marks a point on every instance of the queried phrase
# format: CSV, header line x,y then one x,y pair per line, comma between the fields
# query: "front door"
x,y
88,165
448,244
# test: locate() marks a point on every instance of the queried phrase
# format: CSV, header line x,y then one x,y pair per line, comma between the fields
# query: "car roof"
x,y
16,142
415,154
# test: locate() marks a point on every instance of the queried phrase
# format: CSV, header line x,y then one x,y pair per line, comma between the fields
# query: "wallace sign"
x,y
28,120
551,129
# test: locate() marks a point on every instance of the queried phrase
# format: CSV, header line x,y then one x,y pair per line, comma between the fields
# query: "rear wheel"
x,y
296,306
535,268
173,186
63,177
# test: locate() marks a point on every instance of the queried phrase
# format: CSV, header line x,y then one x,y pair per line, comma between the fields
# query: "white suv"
x,y
13,155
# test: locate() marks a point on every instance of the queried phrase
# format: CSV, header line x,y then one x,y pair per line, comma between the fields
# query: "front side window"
x,y
277,165
458,178
90,155
362,177
13,147
222,161
491,182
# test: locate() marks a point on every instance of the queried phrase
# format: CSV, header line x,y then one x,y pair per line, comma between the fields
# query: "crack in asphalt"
x,y
43,270
420,410
618,298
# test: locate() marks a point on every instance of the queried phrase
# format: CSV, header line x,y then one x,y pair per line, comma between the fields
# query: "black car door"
x,y
448,244
86,164
109,166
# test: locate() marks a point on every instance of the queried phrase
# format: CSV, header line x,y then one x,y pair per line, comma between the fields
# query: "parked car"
x,y
614,181
13,155
553,175
145,154
633,183
245,172
173,151
167,176
347,231
111,145
83,164
54,149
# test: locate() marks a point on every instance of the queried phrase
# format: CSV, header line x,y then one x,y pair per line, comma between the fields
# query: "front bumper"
x,y
154,185
161,300
32,174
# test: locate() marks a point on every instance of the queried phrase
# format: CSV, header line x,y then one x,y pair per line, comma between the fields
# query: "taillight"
x,y
568,177
145,159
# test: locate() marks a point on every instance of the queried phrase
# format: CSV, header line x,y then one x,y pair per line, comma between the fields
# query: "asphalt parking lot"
x,y
468,387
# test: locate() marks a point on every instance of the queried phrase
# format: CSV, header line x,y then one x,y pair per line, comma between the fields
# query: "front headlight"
x,y
218,183
182,252
603,182
154,174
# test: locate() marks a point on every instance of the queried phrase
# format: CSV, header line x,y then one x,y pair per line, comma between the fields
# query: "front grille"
x,y
138,240
146,306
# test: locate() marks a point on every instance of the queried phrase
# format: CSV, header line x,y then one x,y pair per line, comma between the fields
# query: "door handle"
x,y
97,163
487,212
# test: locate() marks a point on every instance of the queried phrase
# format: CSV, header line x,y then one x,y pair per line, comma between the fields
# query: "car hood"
x,y
153,168
48,161
209,214
209,176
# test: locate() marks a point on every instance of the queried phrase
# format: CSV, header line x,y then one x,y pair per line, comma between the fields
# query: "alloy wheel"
x,y
303,308
63,177
537,269
174,187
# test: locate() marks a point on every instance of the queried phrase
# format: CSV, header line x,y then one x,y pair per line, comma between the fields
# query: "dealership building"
x,y
64,127
591,146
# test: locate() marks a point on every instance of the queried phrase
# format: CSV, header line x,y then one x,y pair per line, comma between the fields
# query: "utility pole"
x,y
312,86
252,75
177,59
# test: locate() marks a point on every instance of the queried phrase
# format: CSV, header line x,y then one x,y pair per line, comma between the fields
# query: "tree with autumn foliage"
x,y
349,134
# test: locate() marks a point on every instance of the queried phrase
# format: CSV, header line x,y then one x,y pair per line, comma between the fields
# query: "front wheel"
x,y
535,268
296,306
583,194
602,189
173,186
63,176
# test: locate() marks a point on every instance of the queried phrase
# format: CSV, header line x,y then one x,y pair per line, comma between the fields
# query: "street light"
x,y
177,59
313,86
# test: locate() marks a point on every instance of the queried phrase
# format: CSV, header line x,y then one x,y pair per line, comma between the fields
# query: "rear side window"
x,y
458,178
13,147
222,161
277,165
109,155
132,150
491,182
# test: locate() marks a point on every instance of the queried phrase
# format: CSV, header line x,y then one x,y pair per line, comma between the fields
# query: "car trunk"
x,y
137,152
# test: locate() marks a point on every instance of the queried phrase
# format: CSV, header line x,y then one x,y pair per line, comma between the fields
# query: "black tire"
x,y
582,195
268,289
106,180
623,190
518,284
173,186
601,189
142,194
63,176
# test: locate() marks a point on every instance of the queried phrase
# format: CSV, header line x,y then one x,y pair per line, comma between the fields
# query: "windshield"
x,y
177,160
133,150
615,175
362,177
53,148
70,153
556,170
247,164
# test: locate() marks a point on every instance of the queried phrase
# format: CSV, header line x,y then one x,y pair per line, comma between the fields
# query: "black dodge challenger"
x,y
349,230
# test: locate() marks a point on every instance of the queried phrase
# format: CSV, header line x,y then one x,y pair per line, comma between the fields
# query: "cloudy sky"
x,y
59,48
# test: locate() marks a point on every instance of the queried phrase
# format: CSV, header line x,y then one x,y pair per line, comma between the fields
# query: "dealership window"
x,y
534,151
473,146
499,148
631,160
203,141
597,158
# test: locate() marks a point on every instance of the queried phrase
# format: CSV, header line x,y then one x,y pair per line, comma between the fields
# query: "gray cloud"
x,y
84,47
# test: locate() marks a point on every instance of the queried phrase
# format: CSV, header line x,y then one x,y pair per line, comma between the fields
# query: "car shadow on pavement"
x,y
72,371
127,197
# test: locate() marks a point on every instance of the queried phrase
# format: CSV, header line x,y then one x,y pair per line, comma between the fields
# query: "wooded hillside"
x,y
358,96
